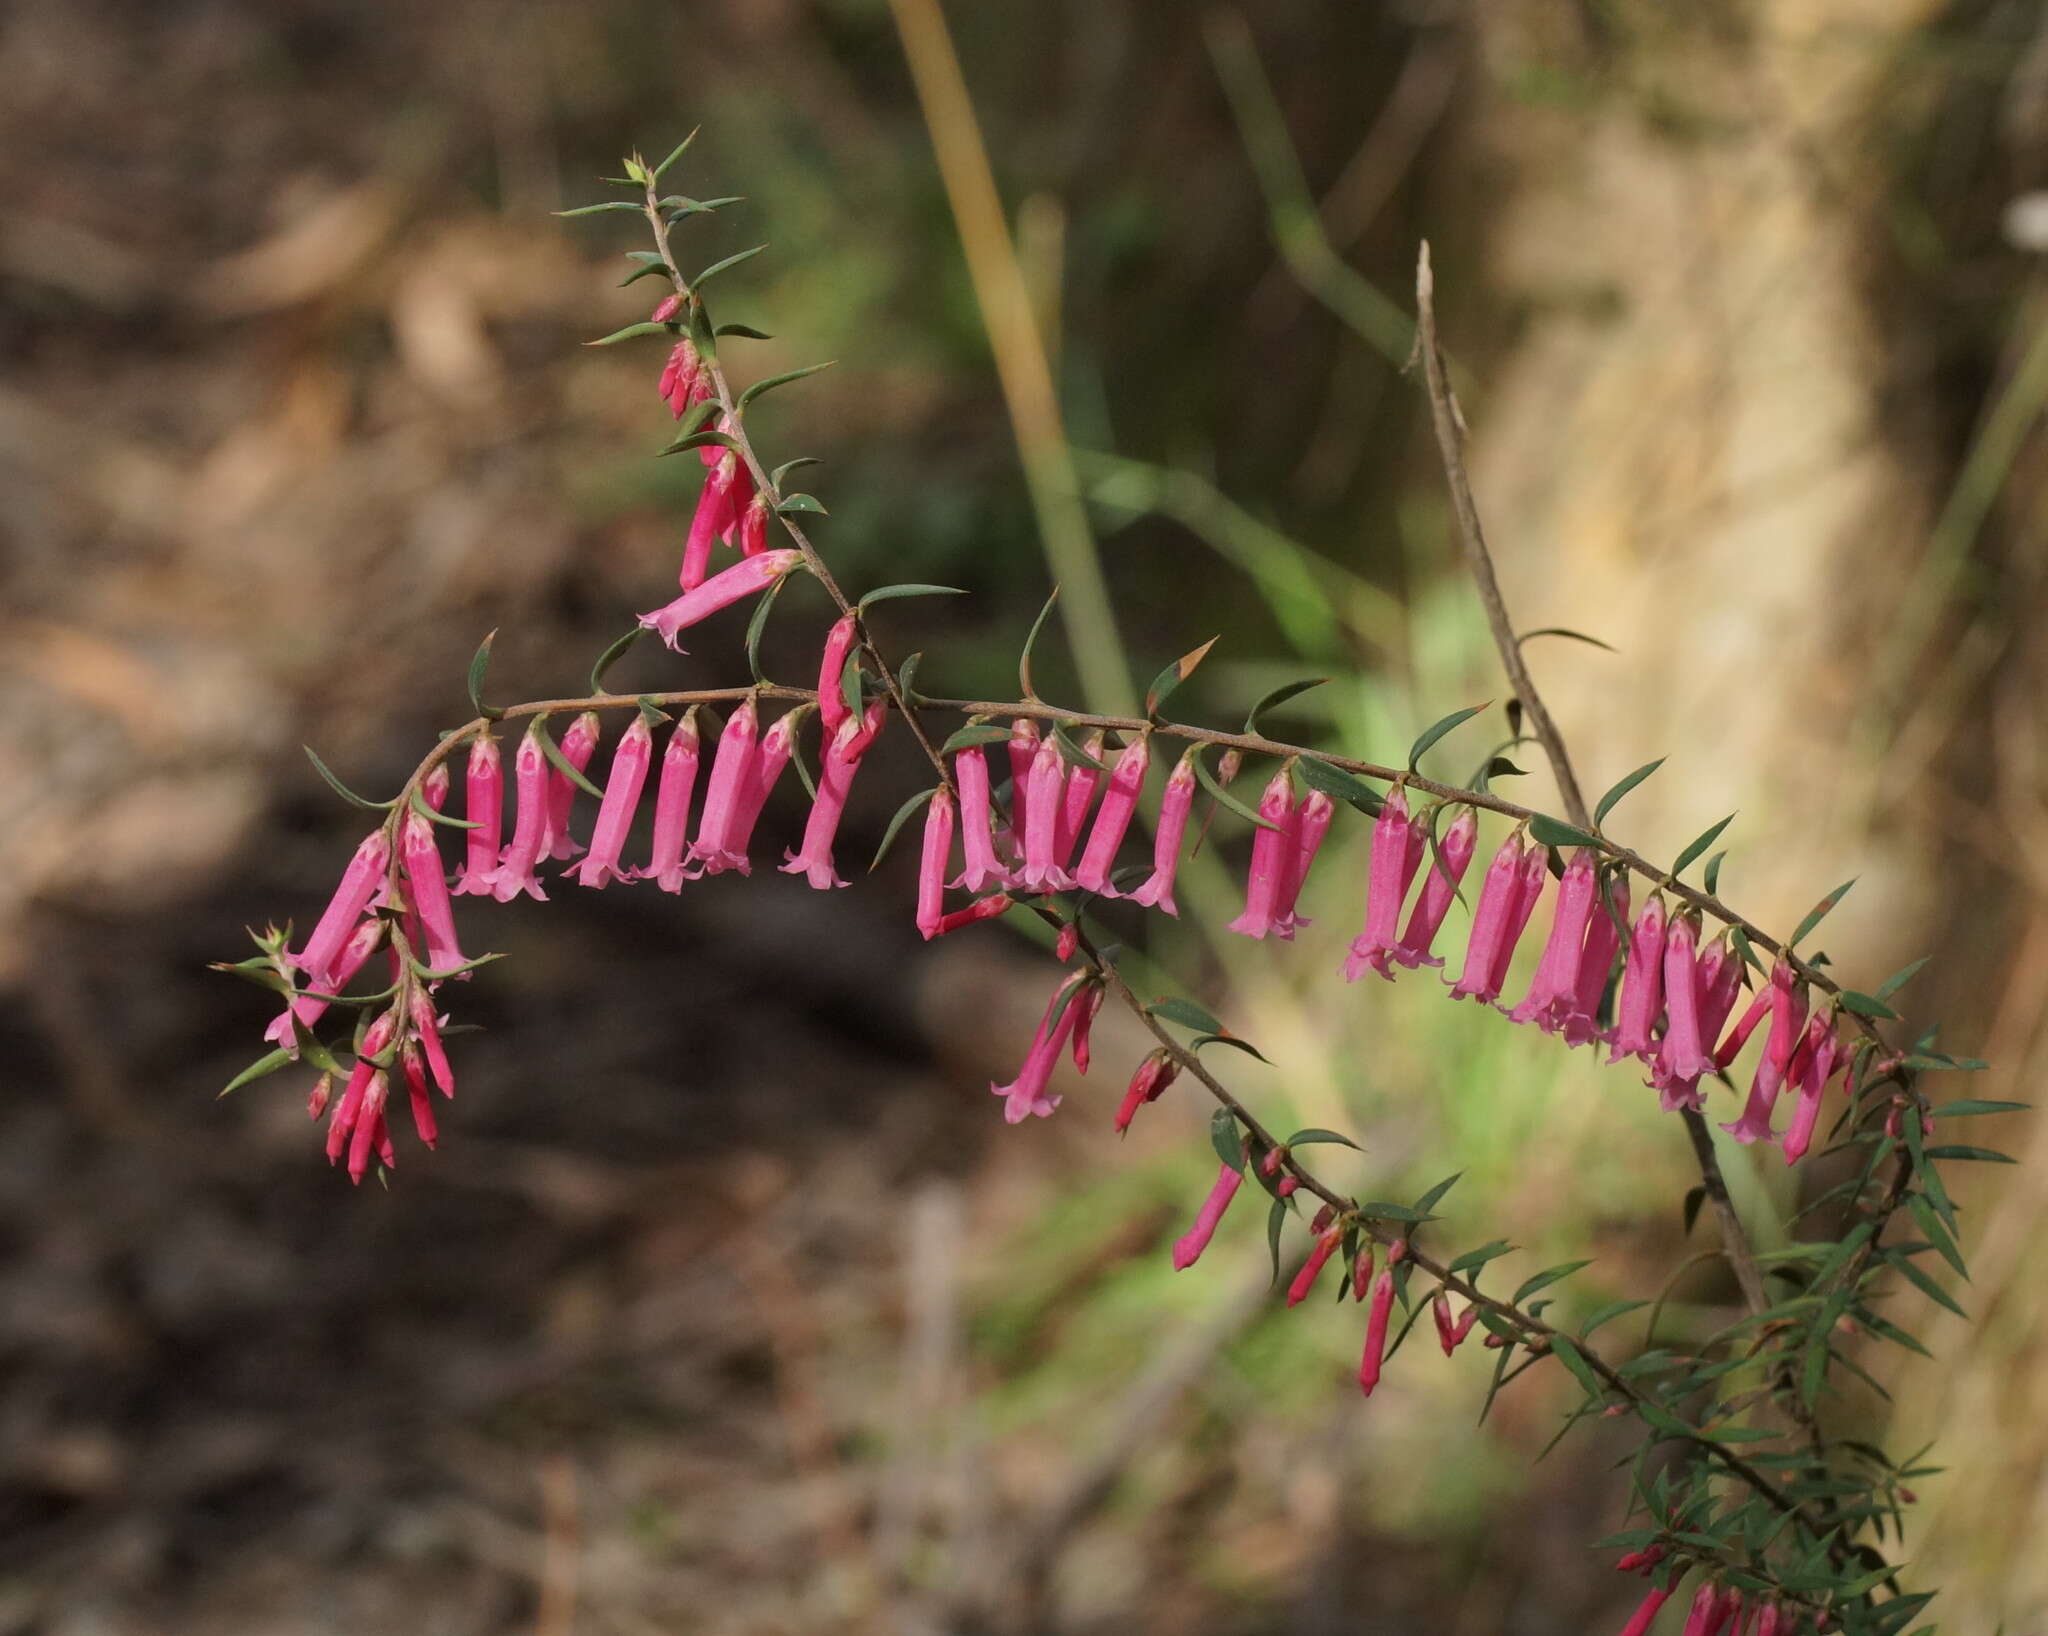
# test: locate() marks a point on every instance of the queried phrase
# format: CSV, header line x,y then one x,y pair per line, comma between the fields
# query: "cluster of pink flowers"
x,y
1716,1610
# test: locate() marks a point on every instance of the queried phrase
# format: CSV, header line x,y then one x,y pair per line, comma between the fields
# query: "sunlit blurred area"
x,y
729,1304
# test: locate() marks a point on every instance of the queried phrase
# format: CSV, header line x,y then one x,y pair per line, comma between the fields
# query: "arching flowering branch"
x,y
1736,1477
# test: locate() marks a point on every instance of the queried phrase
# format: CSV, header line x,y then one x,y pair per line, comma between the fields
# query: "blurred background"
x,y
728,1305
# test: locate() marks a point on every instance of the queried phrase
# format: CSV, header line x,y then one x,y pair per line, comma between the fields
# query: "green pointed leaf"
x,y
850,685
630,332
698,440
1552,832
718,267
1335,781
1388,1210
418,803
1223,797
1964,1109
1071,753
1430,1200
780,472
313,1051
342,789
619,646
889,593
1315,1134
773,381
745,331
1224,1138
1572,1358
1865,1005
1699,845
561,763
1276,1219
1900,978
479,668
1185,1012
1547,1277
904,673
1921,1280
1230,1040
1278,697
1612,798
1473,1260
608,207
800,505
1559,630
676,153
258,1069
981,732
1819,912
1438,729
1970,1155
1607,1314
655,267
1712,875
896,823
1031,641
1173,675
757,625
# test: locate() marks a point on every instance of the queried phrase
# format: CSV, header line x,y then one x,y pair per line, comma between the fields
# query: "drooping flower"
x,y
483,794
1376,1329
428,887
1023,750
682,381
1787,997
427,1027
931,872
1646,1612
1580,1017
1311,825
369,1133
1188,1248
997,903
1040,810
360,882
1718,984
1311,1269
1557,973
1086,1003
725,792
977,833
1528,893
308,1008
745,578
1148,1084
1710,1610
434,787
1027,1094
753,527
1731,1047
725,495
1642,985
777,746
630,759
813,859
1451,1335
1113,817
1488,948
421,1099
1386,888
672,792
1812,1067
1439,891
530,830
839,642
1274,850
351,1110
1682,1055
1076,799
579,743
1179,802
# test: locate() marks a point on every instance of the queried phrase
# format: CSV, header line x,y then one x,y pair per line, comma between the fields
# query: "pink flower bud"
x,y
1449,1335
1068,941
835,782
428,889
1023,750
370,1138
1273,856
1579,1017
1305,1279
1557,972
1439,891
1086,1004
630,759
1311,824
417,1093
1179,802
579,743
1148,1084
726,492
1043,788
745,578
1642,985
979,910
839,642
1188,1248
360,882
1376,1332
1361,1271
681,376
1770,1621
678,782
1640,1561
427,1028
1486,949
1646,1613
665,309
1113,818
753,529
1385,888
1710,1609
977,836
725,793
1738,1036
530,832
931,872
483,794
349,1111
316,1099
434,787
1076,799
1026,1095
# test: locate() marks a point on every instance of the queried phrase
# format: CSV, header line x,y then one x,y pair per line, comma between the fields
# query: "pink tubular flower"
x,y
1768,1622
1682,1055
1148,1084
1640,1561
681,377
813,859
1026,1094
622,789
977,837
1113,818
1039,811
1710,1610
1439,891
483,790
1076,799
1023,749
1188,1248
1311,824
672,805
428,1027
998,903
743,579
530,831
1642,985
732,776
428,889
839,642
309,1010
349,1111
1157,892
1787,996
1489,947
1813,1067
777,746
1273,856
1718,985
1557,972
578,745
1528,893
1376,1330
369,1134
1579,1017
726,492
360,882
1385,888
417,1093
1305,1279
931,872
1087,1003
1738,1036
1646,1613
